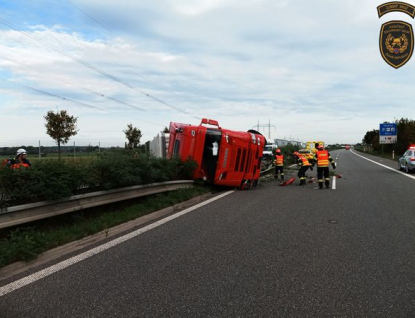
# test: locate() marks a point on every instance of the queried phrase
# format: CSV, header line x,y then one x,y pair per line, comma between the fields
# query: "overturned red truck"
x,y
224,157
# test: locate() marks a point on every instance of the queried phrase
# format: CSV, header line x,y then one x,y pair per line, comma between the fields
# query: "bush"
x,y
51,180
22,244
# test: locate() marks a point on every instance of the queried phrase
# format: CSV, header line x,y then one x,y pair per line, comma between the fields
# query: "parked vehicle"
x,y
313,145
269,150
224,157
308,153
407,161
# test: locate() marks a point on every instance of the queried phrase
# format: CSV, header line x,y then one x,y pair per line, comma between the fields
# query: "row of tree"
x,y
60,126
406,136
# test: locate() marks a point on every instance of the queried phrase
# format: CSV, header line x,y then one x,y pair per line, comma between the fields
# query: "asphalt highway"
x,y
273,251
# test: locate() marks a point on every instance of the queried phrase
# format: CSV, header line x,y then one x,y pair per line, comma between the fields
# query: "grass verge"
x,y
385,155
26,243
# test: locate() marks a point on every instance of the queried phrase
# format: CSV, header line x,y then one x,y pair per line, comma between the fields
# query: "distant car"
x,y
407,161
269,150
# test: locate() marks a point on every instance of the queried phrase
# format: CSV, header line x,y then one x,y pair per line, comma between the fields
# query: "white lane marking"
x,y
64,264
333,184
395,170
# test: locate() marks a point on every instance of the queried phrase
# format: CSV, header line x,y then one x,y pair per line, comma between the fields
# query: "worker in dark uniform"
x,y
304,165
323,159
279,164
19,161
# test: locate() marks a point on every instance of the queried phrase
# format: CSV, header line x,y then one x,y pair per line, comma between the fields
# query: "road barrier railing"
x,y
26,213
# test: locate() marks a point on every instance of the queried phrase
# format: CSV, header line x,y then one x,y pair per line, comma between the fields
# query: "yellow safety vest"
x,y
304,161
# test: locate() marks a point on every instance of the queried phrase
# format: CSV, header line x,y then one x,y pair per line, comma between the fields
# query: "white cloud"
x,y
313,69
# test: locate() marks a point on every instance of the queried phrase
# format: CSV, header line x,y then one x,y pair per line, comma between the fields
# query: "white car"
x,y
268,150
407,161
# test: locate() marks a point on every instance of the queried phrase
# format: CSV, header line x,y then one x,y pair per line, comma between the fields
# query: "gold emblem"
x,y
396,45
396,42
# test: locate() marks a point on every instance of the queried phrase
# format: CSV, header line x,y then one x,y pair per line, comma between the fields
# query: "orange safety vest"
x,y
322,158
19,165
304,161
279,160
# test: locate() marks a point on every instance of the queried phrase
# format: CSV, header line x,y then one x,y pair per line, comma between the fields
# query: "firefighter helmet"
x,y
278,151
296,153
21,151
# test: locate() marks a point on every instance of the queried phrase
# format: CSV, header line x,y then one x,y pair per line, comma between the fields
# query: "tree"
x,y
133,135
371,137
406,134
60,126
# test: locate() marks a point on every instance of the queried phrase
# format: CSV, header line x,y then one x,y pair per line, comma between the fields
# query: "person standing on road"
x,y
304,165
279,164
19,161
323,160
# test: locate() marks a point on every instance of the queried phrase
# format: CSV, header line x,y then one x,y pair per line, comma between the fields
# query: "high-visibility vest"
x,y
303,161
279,159
18,165
322,158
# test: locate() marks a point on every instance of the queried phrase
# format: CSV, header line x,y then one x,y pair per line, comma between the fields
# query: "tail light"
x,y
411,159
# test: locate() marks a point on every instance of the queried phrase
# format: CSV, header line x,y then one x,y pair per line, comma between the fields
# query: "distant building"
x,y
285,142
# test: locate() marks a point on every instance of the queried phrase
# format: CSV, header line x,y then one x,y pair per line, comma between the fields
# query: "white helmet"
x,y
21,151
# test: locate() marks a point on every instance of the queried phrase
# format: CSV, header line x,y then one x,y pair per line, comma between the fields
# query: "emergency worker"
x,y
323,160
279,164
304,164
19,161
310,157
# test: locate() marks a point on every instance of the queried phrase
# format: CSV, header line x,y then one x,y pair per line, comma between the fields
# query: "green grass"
x,y
386,155
26,243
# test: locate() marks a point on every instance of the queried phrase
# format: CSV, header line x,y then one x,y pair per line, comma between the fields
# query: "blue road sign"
x,y
388,133
388,130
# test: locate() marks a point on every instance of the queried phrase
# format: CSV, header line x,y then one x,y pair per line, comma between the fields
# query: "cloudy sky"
x,y
311,70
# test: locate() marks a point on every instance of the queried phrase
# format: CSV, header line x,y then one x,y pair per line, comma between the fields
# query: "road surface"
x,y
347,251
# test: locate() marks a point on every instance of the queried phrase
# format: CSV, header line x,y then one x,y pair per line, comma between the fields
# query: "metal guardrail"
x,y
21,214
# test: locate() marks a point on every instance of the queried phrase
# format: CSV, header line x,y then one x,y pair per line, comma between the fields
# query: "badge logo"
x,y
396,42
396,6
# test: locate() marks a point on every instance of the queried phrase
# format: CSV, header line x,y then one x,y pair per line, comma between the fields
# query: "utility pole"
x,y
265,126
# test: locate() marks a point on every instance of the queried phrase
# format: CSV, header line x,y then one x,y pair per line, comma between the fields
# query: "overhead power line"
x,y
89,16
52,95
113,99
135,73
92,67
86,89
